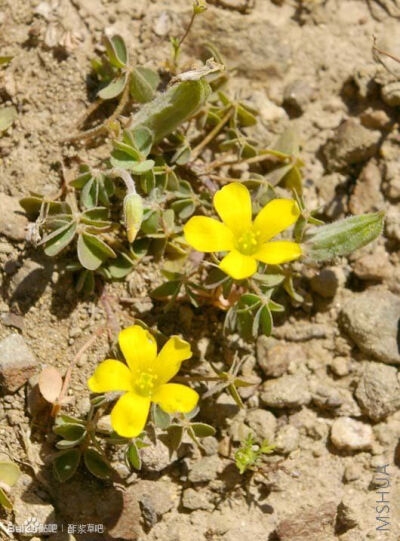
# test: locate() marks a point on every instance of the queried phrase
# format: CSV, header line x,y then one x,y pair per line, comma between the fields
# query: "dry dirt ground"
x,y
328,392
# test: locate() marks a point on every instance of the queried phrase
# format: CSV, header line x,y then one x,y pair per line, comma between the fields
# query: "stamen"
x,y
248,242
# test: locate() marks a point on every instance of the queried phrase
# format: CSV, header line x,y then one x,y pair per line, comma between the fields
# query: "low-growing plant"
x,y
250,454
169,172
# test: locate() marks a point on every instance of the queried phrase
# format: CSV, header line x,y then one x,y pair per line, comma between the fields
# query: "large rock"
x,y
372,321
17,363
378,391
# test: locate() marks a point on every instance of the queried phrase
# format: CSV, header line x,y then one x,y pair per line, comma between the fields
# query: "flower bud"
x,y
133,215
199,6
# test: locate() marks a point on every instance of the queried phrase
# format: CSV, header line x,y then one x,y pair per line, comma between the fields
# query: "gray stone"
x,y
196,499
286,392
12,220
378,391
155,498
372,319
287,440
351,435
351,144
17,363
274,357
156,457
263,423
204,470
329,396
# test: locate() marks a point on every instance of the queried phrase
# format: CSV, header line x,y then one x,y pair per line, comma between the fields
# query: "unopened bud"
x,y
133,215
199,6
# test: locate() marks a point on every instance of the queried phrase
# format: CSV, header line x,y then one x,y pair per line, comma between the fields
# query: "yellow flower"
x,y
144,379
246,241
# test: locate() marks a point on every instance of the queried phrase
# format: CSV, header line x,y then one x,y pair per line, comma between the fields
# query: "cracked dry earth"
x,y
328,391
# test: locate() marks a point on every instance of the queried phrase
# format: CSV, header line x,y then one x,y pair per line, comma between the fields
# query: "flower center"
x,y
145,383
248,242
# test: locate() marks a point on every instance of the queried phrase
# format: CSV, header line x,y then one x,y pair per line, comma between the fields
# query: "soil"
x,y
327,380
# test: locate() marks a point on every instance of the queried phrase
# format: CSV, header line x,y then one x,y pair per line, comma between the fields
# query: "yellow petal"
x,y
139,348
239,266
208,235
109,376
233,204
275,217
173,397
170,358
278,252
129,415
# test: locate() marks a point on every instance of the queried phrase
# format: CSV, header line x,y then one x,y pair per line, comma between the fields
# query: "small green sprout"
x,y
250,454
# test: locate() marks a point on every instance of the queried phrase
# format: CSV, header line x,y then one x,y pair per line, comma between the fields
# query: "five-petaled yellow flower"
x,y
246,241
144,379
